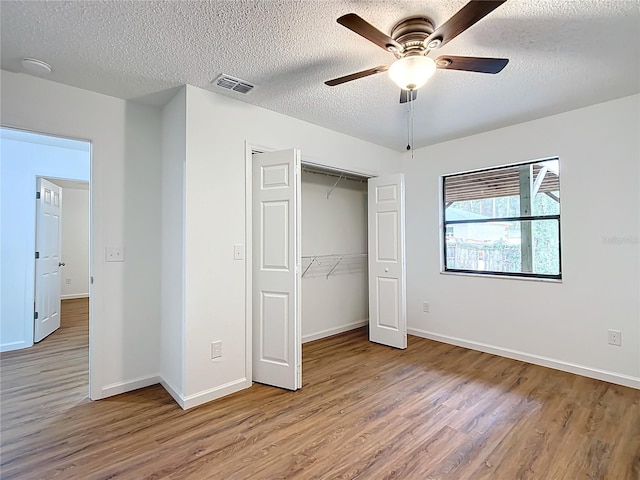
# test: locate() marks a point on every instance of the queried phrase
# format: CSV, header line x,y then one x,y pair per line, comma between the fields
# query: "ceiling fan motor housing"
x,y
411,34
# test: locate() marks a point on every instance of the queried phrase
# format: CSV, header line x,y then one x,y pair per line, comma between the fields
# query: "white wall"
x,y
218,129
127,206
563,325
126,186
598,150
337,224
173,281
75,242
22,161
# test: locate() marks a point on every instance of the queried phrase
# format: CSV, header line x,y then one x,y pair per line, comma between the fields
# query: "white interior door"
x,y
277,340
387,266
48,247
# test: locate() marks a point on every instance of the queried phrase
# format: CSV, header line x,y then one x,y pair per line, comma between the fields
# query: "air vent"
x,y
231,83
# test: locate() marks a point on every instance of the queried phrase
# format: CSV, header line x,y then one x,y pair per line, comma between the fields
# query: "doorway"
x,y
273,220
334,280
26,157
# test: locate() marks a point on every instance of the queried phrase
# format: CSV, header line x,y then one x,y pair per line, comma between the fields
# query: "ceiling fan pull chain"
x,y
408,125
411,120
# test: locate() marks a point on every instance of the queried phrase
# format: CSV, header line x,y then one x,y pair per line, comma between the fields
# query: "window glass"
x,y
504,220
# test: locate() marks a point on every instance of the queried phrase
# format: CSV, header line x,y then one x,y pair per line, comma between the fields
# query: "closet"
x,y
311,274
334,276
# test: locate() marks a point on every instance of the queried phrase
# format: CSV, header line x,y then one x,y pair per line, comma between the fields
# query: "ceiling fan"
x,y
411,41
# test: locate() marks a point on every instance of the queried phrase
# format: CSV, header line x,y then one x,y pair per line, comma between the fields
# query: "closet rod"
x,y
331,173
343,255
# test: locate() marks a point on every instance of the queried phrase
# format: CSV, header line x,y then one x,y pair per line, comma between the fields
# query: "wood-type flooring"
x,y
433,411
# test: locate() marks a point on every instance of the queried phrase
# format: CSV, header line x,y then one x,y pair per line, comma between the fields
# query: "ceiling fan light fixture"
x,y
411,73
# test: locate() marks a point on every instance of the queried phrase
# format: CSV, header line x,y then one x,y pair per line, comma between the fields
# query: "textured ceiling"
x,y
563,55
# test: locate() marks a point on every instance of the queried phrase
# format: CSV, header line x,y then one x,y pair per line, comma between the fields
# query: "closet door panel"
x,y
387,266
277,344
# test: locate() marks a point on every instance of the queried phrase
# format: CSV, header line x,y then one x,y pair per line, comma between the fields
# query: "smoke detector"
x,y
33,65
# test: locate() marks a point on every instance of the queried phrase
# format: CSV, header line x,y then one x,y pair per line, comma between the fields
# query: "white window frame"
x,y
534,185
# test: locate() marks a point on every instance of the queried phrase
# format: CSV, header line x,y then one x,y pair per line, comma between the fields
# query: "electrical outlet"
x,y
114,254
615,337
67,281
425,307
216,349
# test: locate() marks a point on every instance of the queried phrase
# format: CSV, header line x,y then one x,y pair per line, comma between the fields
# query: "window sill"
x,y
502,277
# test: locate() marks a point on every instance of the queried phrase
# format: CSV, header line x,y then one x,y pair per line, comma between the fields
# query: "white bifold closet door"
x,y
276,237
277,341
387,265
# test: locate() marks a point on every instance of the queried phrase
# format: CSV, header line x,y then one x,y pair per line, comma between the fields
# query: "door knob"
x,y
61,264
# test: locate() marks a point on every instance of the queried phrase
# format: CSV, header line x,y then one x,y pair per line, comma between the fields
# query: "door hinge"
x,y
37,195
35,315
37,254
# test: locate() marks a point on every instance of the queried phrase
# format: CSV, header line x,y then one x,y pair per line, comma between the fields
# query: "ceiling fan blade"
x,y
467,16
365,29
408,95
355,76
472,64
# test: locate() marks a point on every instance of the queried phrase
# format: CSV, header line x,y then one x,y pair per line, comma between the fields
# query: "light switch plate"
x,y
216,349
238,252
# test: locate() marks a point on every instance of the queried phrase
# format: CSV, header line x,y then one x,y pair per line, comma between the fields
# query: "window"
x,y
503,221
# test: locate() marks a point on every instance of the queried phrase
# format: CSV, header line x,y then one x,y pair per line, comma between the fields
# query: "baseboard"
x,y
71,296
7,347
185,403
205,396
334,331
173,391
611,377
129,385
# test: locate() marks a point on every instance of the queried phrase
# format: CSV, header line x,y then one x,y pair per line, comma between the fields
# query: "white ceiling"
x,y
564,54
72,184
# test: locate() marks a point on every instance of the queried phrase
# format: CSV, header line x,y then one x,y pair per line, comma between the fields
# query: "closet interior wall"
x,y
334,285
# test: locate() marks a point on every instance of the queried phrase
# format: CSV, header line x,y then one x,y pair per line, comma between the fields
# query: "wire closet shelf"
x,y
333,264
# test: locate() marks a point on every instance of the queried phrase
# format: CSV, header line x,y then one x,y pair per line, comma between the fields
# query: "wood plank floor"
x,y
433,411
